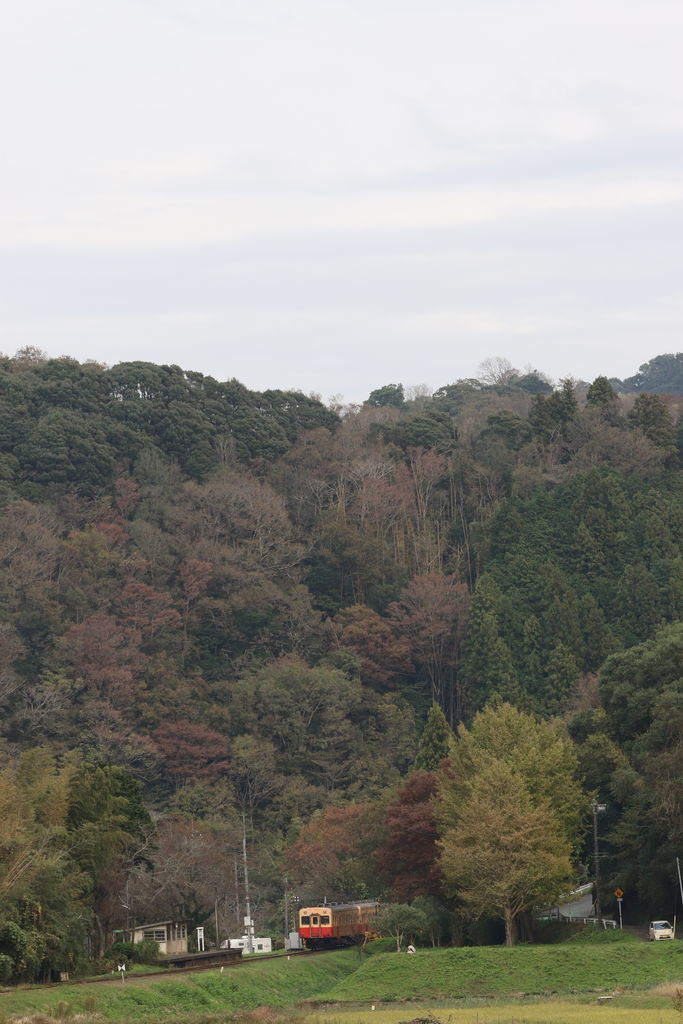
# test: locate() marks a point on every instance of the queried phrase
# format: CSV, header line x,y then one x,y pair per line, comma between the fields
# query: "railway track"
x,y
175,971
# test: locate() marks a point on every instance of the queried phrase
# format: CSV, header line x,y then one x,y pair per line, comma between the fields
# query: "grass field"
x,y
191,997
556,984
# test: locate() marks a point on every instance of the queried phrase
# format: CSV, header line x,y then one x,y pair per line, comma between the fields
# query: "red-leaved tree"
x,y
191,751
431,614
332,855
408,856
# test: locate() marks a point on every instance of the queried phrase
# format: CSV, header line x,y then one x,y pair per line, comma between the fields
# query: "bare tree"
x,y
497,370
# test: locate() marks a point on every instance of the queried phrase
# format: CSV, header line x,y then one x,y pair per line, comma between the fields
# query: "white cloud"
x,y
194,220
317,173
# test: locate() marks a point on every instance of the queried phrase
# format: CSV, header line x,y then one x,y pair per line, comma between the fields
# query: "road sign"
x,y
618,893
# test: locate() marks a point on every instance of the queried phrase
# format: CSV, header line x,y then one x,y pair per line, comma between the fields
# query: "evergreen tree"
x,y
601,393
389,394
550,416
434,742
560,620
651,415
663,374
561,678
589,558
598,639
487,668
638,600
532,673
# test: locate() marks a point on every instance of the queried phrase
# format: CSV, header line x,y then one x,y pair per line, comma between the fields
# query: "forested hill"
x,y
247,602
81,425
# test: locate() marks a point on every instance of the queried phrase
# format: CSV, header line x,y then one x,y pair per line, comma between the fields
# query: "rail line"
x,y
175,971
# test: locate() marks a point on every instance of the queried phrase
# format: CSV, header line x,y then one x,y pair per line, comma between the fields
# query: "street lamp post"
x,y
597,809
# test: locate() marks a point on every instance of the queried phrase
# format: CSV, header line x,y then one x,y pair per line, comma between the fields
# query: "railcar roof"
x,y
342,906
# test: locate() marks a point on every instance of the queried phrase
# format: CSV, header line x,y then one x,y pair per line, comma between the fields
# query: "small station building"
x,y
171,936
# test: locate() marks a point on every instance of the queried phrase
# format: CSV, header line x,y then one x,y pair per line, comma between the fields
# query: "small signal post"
x,y
619,893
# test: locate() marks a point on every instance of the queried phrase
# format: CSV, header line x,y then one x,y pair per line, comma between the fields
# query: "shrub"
x,y
145,952
6,967
63,1010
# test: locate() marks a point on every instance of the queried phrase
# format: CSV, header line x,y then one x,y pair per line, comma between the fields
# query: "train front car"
x,y
315,927
336,924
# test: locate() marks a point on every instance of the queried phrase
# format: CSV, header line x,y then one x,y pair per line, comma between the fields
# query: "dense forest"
x,y
230,613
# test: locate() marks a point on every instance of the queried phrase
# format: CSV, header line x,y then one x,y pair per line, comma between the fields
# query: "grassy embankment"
x,y
198,997
555,984
494,970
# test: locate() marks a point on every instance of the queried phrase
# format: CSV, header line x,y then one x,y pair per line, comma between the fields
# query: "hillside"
x,y
225,611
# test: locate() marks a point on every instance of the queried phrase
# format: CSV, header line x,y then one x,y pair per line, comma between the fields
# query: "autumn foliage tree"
x,y
408,856
104,658
384,652
431,614
332,854
190,750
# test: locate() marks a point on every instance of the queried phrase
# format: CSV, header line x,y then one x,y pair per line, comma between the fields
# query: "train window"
x,y
315,920
305,919
324,920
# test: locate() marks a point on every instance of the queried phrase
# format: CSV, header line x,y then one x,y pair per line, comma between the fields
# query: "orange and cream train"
x,y
337,924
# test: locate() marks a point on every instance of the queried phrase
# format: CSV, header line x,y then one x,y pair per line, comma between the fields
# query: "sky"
x,y
333,196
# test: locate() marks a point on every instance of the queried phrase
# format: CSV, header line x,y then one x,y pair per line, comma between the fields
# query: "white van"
x,y
660,930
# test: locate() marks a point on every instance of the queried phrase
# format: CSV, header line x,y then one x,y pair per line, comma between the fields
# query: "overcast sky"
x,y
333,196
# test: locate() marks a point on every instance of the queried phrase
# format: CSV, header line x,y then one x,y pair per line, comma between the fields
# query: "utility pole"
x,y
247,919
237,893
597,809
286,913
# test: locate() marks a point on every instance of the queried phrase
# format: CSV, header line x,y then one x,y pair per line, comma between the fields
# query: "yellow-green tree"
x,y
510,812
504,855
538,750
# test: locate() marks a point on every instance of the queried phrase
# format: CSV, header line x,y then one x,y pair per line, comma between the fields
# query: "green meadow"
x,y
495,970
554,984
197,997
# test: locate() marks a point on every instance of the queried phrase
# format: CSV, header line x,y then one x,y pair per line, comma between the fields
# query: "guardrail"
x,y
607,922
